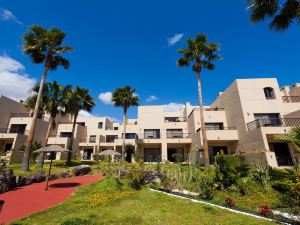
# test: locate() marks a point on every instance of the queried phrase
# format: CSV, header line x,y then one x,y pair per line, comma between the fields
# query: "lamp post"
x,y
1,204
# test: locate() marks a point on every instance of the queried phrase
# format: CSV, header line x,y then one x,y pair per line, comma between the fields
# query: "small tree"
x,y
129,149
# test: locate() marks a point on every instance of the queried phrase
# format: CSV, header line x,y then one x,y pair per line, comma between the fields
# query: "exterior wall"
x,y
234,108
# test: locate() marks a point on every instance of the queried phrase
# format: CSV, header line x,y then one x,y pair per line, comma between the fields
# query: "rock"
x,y
20,181
81,170
64,174
3,184
7,180
151,177
37,177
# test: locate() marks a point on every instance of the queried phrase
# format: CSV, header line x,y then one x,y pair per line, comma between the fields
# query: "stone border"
x,y
221,207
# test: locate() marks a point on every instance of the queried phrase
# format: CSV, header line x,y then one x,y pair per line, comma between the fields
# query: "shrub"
x,y
266,211
261,175
75,221
168,183
129,150
205,185
229,169
3,163
230,202
137,175
178,157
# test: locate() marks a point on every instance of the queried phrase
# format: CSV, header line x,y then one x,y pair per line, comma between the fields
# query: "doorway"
x,y
282,153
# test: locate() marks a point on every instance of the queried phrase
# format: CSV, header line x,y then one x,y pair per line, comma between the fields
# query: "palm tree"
x,y
77,99
282,14
125,97
52,103
201,54
43,46
292,137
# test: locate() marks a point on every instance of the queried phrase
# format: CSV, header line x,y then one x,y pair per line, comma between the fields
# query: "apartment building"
x,y
243,119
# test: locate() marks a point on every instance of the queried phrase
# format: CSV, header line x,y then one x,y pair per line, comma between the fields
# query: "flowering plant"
x,y
266,211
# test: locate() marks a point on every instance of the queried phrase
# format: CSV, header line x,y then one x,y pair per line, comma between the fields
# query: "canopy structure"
x,y
51,149
109,152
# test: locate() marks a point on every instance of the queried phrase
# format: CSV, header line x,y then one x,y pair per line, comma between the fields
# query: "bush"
x,y
230,202
3,163
136,176
265,211
229,169
205,184
261,175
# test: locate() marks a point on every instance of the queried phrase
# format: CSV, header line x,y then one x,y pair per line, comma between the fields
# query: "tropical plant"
x,y
229,169
129,150
261,175
283,13
43,46
292,137
77,99
205,184
201,54
125,98
52,103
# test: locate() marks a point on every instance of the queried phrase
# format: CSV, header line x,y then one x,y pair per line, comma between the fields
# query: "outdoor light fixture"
x,y
1,204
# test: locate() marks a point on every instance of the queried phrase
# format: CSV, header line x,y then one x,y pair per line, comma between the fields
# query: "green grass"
x,y
124,206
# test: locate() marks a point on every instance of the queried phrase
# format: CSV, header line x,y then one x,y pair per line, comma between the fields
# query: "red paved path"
x,y
31,199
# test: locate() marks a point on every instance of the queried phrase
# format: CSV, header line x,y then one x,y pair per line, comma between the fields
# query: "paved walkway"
x,y
25,201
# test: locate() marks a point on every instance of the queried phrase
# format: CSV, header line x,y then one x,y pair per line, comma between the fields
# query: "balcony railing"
x,y
178,135
220,128
273,122
12,131
40,115
175,119
290,99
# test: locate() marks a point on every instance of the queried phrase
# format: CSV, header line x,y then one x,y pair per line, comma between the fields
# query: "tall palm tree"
x,y
292,137
283,13
77,99
52,103
125,97
201,54
43,46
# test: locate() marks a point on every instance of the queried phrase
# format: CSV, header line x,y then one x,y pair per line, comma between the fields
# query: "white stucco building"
x,y
242,120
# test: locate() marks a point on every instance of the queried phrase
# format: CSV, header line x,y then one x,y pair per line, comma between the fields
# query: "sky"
x,y
133,42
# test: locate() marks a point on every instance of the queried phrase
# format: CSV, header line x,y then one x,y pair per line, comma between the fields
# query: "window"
x,y
130,136
269,93
100,125
66,134
116,128
267,119
81,123
92,138
17,128
111,138
174,133
151,133
214,126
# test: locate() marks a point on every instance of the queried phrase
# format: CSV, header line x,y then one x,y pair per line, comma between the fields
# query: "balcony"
x,y
273,122
13,130
178,135
175,119
290,99
220,128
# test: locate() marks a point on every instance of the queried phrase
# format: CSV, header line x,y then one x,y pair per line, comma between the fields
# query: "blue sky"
x,y
121,42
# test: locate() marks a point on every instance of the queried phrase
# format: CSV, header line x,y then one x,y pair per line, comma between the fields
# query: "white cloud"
x,y
173,107
85,113
113,119
151,98
14,83
106,97
173,40
6,15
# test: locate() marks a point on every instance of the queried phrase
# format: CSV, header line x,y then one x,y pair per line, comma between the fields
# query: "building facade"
x,y
244,119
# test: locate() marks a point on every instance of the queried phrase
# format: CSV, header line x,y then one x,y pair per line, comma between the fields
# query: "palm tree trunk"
x,y
124,133
27,152
41,157
203,129
69,158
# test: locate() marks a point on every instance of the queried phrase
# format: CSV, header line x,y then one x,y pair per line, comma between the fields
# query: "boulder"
x,y
151,177
81,170
37,177
7,180
64,174
20,181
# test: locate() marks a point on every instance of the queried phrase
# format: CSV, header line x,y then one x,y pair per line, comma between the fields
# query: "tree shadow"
x,y
64,185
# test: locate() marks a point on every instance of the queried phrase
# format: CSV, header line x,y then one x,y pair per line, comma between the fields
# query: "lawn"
x,y
108,202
